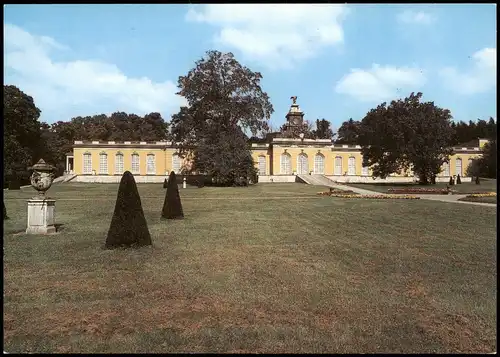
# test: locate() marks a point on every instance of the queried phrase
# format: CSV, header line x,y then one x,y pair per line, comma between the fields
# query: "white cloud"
x,y
64,89
276,35
481,77
381,83
415,17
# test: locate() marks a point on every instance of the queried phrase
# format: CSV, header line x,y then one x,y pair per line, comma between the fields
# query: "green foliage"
x,y
22,138
348,133
5,212
486,165
223,155
452,181
459,181
478,181
172,206
466,132
223,97
165,183
323,130
128,226
407,133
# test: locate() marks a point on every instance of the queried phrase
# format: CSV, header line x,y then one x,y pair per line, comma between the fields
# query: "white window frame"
x,y
262,165
151,168
351,166
337,165
365,171
135,167
176,163
119,164
103,163
319,164
285,164
457,171
87,163
302,164
446,169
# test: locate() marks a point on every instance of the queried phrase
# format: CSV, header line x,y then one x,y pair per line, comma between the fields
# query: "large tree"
x,y
22,136
486,165
323,130
223,98
406,134
348,132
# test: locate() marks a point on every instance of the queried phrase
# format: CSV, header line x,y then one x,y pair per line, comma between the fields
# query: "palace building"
x,y
277,159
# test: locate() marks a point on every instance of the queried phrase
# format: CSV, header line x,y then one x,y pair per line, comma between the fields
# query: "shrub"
x,y
458,180
14,185
172,207
128,226
165,183
5,212
477,180
433,179
452,182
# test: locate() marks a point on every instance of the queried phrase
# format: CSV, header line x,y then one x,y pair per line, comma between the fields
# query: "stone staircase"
x,y
322,180
317,180
64,178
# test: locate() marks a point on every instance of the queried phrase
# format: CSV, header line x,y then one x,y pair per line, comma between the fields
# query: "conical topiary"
x,y
452,182
477,180
172,207
5,212
433,179
128,226
458,180
165,183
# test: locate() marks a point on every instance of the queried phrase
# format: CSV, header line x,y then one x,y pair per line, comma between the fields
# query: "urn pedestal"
x,y
41,209
41,216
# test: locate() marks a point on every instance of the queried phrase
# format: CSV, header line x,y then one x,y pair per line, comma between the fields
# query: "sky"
x,y
339,60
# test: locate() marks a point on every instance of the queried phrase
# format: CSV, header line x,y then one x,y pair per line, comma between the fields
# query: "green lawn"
x,y
272,268
486,185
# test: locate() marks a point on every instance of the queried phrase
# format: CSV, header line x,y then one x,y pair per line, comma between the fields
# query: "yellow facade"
x,y
332,155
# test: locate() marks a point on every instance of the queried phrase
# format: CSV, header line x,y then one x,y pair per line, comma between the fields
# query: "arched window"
x,y
446,169
176,163
338,165
135,163
302,164
119,163
319,164
286,164
262,165
87,163
458,166
351,166
151,164
103,163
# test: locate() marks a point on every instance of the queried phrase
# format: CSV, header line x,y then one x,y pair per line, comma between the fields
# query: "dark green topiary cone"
x,y
172,207
165,183
128,226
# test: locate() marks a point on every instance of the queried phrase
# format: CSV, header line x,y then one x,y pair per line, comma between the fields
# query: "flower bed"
x,y
435,191
482,194
379,197
335,191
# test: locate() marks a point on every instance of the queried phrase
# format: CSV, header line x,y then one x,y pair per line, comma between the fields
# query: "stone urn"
x,y
42,177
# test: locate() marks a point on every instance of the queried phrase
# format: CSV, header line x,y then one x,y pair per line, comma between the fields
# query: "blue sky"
x,y
340,60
